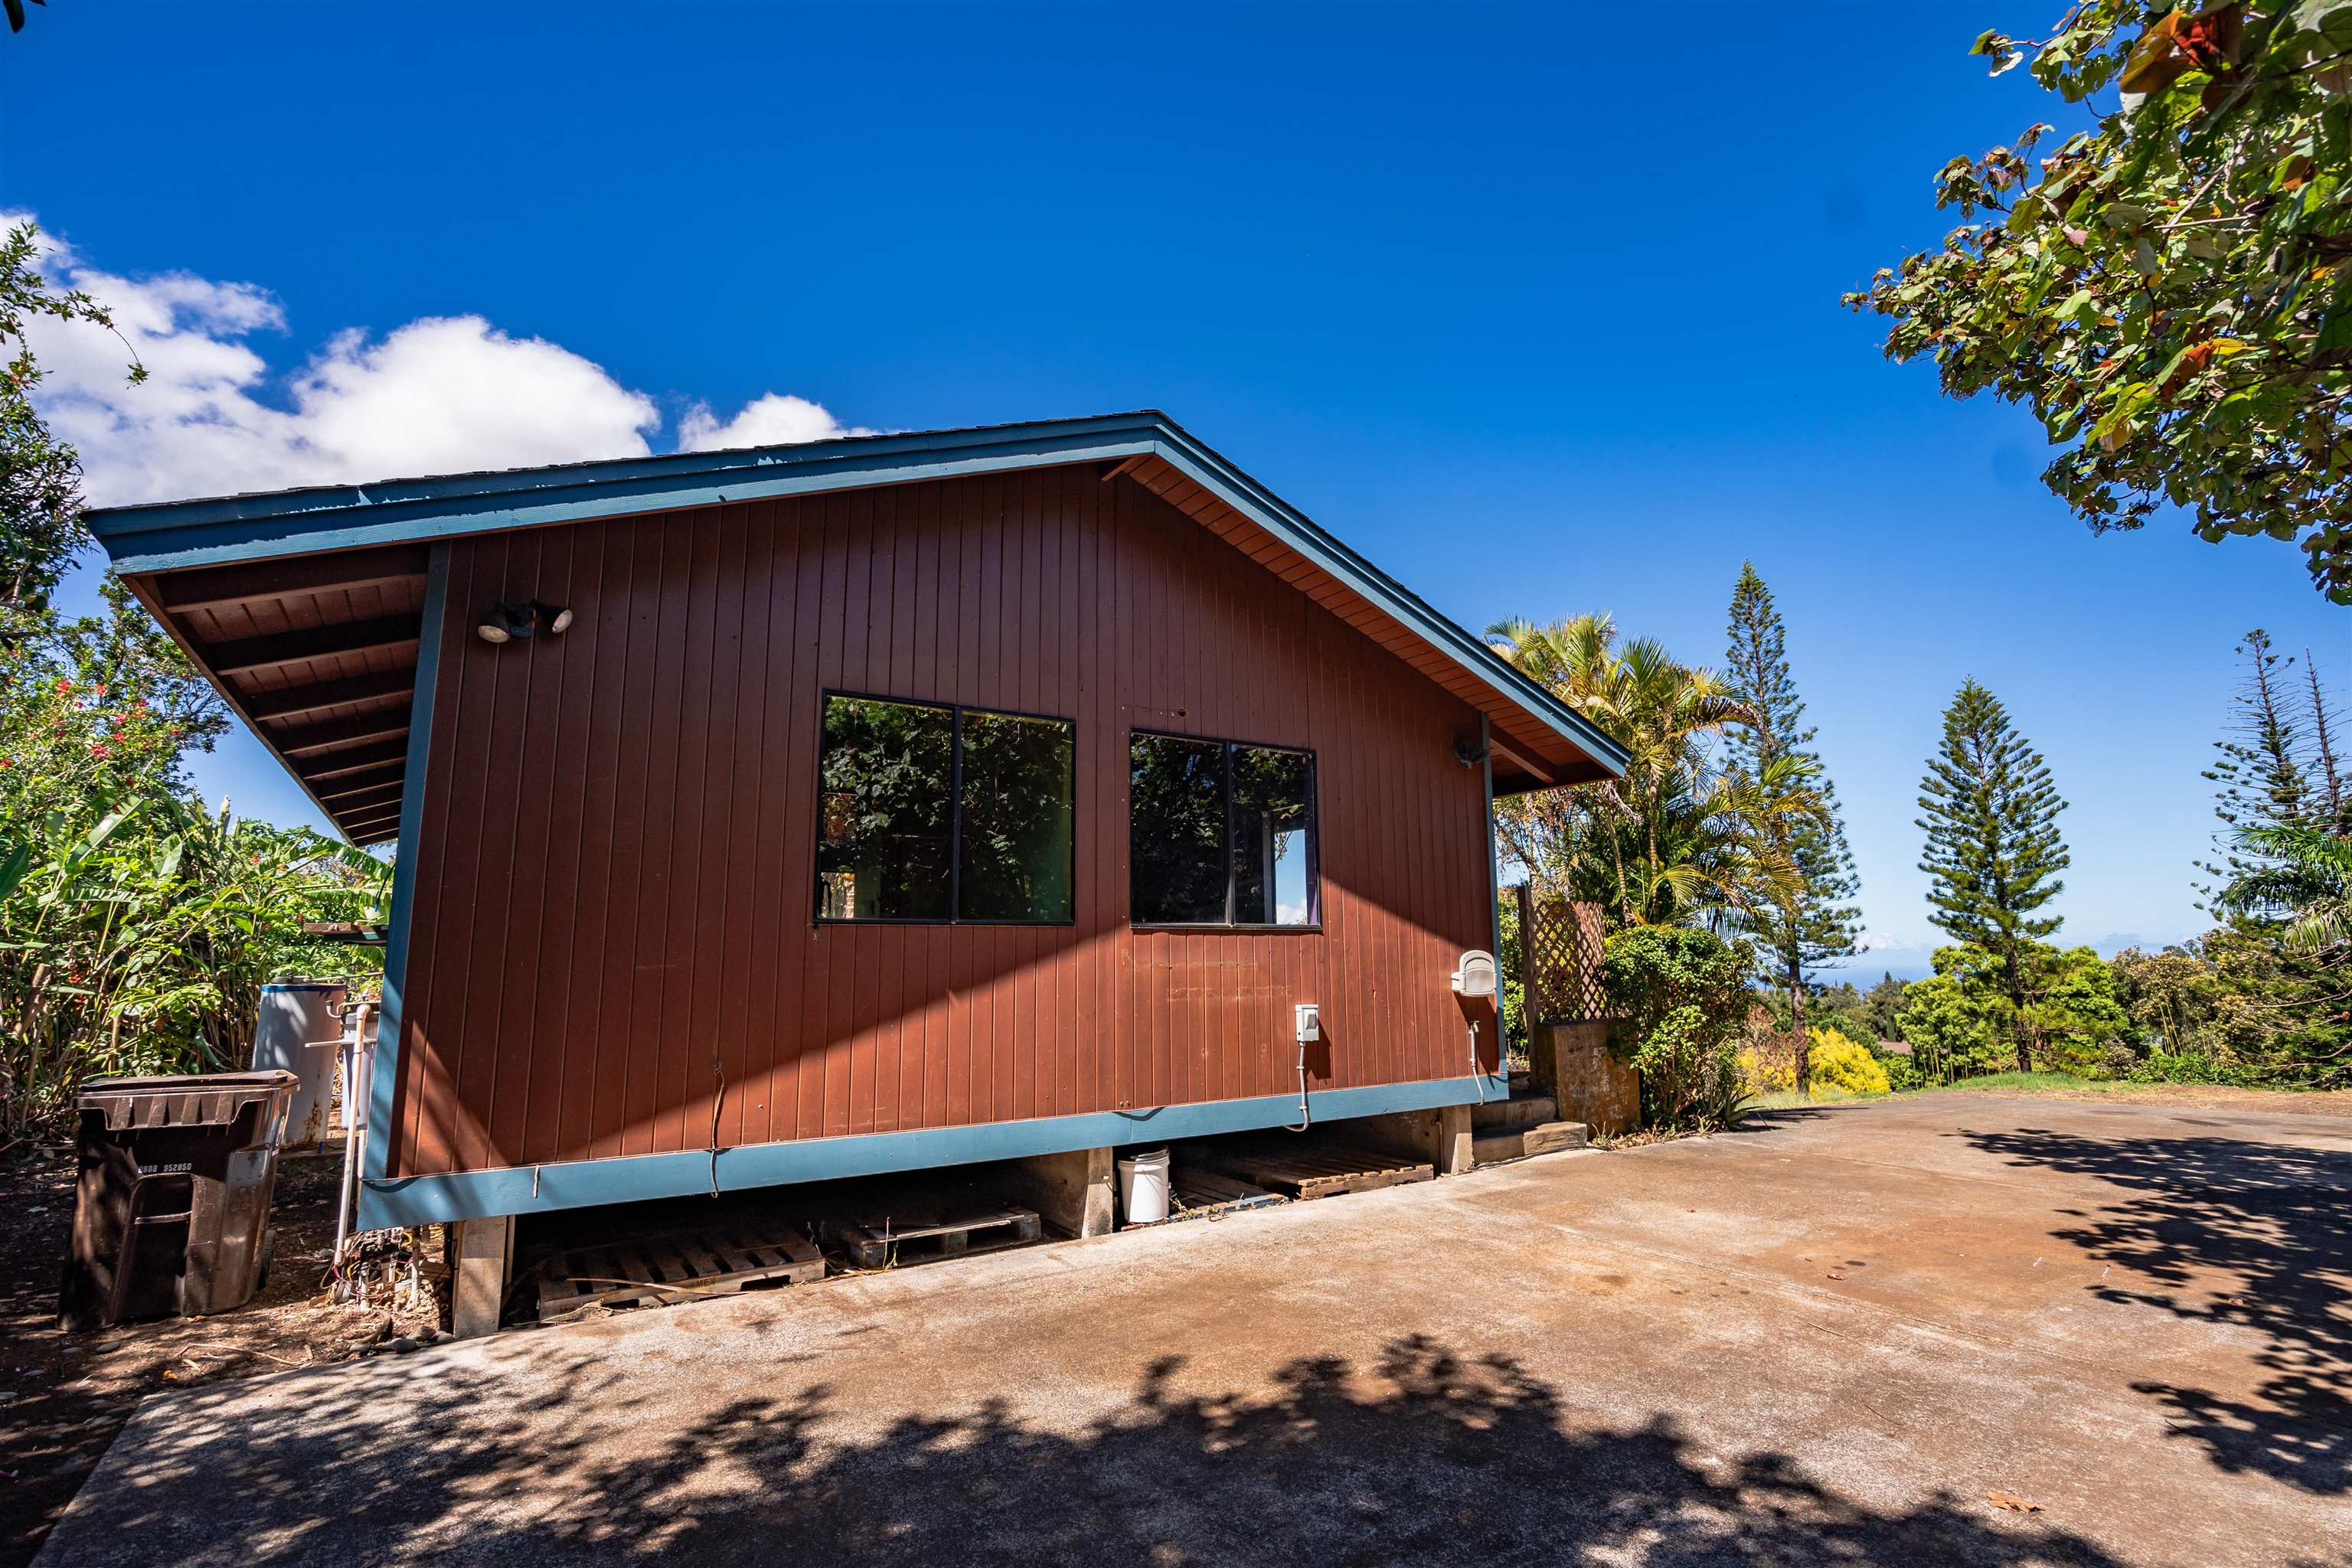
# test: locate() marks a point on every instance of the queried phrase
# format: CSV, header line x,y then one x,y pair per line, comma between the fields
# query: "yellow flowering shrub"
x,y
1838,1062
1763,1069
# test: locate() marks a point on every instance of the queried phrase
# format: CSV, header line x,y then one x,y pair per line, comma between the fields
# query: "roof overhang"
x,y
305,606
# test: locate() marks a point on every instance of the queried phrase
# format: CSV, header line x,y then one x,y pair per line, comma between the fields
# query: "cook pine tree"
x,y
1814,922
1993,851
2277,768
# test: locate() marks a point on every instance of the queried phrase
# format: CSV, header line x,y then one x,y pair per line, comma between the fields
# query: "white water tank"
x,y
298,1032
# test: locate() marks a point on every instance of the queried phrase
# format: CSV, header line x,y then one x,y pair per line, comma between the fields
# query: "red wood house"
x,y
877,803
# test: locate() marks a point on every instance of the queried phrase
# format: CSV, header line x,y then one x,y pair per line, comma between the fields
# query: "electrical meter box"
x,y
1310,1022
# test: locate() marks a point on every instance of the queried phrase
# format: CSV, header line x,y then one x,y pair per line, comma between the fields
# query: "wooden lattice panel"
x,y
1560,940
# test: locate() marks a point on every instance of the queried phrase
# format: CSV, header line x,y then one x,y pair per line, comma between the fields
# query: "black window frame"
x,y
955,814
1314,923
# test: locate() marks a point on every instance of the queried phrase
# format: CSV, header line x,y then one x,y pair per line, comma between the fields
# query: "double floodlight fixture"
x,y
512,622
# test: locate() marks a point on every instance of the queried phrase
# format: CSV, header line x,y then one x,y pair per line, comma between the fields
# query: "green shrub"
x,y
1902,1069
1684,993
2190,1066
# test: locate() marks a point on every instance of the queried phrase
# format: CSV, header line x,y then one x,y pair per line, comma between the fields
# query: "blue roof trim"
x,y
1206,469
174,535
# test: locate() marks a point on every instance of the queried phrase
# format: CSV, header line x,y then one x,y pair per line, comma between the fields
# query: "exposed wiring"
x,y
718,1102
1304,1121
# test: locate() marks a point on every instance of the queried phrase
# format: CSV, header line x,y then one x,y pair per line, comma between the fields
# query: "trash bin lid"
x,y
187,1099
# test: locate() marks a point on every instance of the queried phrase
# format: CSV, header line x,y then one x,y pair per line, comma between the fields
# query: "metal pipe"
x,y
355,1132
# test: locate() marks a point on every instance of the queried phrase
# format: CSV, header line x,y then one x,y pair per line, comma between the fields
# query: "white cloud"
x,y
772,420
437,395
1885,942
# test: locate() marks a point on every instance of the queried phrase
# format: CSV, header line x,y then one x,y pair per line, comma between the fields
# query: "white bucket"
x,y
1143,1187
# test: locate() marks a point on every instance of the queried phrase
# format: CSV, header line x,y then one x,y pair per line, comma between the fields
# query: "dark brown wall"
x,y
612,951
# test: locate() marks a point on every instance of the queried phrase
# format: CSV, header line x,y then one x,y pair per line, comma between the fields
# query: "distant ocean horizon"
x,y
1866,968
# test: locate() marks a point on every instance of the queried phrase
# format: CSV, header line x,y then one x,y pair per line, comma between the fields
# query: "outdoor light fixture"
x,y
508,621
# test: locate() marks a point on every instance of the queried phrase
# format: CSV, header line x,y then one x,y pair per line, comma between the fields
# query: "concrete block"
x,y
1075,1193
1519,1110
480,1257
1571,1063
1518,1142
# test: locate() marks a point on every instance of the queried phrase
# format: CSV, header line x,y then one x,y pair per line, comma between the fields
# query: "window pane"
x,y
1018,817
1274,832
1176,829
885,776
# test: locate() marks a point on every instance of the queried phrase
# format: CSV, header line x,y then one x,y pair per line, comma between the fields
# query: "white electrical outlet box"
x,y
1310,1022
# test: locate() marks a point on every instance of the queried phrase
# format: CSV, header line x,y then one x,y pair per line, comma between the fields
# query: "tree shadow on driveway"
x,y
2230,1232
1424,1457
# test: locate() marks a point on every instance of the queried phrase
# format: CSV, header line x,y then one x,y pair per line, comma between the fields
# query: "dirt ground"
x,y
64,1396
1973,1328
2214,1096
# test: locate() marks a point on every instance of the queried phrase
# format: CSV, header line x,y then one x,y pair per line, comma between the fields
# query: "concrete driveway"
x,y
1829,1338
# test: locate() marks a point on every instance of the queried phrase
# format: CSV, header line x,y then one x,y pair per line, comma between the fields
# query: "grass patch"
x,y
2036,1081
1786,1099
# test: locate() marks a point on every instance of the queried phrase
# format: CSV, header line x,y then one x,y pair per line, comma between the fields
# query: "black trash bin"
x,y
172,1206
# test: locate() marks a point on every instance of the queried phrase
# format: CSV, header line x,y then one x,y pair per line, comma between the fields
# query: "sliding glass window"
x,y
930,812
1219,833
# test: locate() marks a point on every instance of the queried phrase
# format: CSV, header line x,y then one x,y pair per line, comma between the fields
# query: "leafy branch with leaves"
x,y
2166,290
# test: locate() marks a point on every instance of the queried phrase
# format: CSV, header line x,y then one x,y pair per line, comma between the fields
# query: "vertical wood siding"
x,y
612,951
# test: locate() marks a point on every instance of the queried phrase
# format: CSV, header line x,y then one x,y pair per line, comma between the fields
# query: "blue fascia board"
x,y
383,1083
173,535
580,1184
1237,489
177,535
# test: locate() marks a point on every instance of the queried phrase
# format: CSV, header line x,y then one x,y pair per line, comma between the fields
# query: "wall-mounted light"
x,y
509,621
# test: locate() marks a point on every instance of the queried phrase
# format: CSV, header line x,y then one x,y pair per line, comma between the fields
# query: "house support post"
x,y
480,1253
1073,1193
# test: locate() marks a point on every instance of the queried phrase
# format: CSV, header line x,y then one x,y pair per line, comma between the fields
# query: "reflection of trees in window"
x,y
1270,835
1176,820
892,842
887,775
1018,817
1220,834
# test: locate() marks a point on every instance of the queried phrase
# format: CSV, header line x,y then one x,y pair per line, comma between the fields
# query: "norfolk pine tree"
x,y
1993,853
1812,921
2259,780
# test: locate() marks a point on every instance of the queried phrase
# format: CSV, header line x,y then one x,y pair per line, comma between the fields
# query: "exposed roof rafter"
x,y
219,587
278,649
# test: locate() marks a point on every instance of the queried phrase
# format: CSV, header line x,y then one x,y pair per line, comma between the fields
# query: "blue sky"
x,y
1537,309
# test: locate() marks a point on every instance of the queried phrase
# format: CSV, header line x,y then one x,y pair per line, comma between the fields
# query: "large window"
x,y
1219,833
933,813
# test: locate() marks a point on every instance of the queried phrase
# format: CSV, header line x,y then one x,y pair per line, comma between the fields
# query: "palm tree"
x,y
2310,875
1676,838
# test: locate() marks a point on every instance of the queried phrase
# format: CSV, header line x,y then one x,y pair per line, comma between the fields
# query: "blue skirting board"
x,y
387,1200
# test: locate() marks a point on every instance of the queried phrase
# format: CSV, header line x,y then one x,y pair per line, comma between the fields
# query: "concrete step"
x,y
1545,1138
1519,1110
